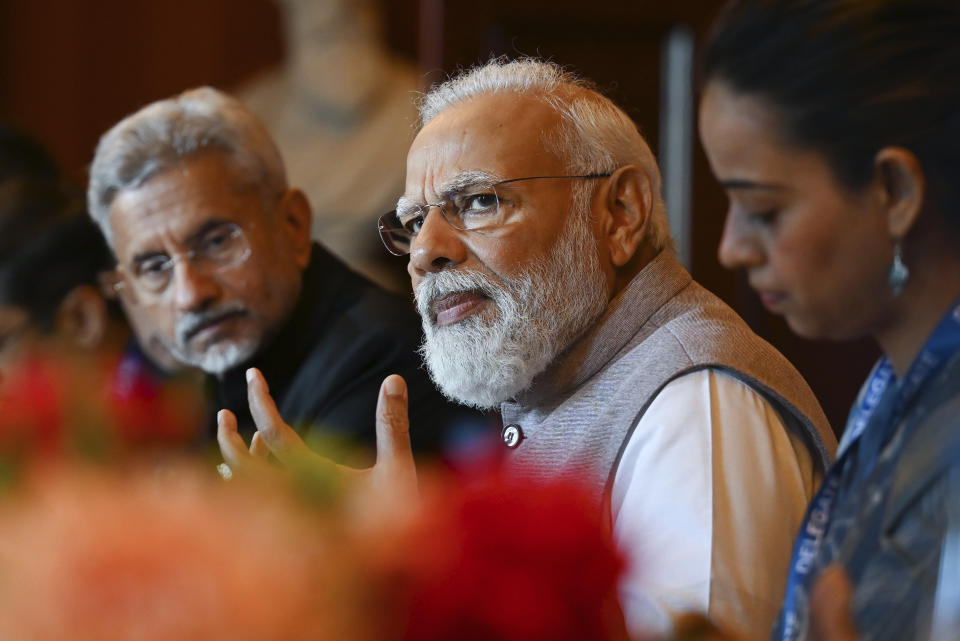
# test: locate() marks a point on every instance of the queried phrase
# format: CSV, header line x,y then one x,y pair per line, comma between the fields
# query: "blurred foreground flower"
x,y
159,555
505,560
151,554
56,402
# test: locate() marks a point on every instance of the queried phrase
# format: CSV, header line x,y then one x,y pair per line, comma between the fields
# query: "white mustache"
x,y
439,284
192,322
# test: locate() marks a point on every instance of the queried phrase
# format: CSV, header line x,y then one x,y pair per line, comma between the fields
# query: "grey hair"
x,y
164,133
594,136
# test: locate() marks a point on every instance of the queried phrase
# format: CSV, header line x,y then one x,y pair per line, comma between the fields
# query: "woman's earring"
x,y
899,273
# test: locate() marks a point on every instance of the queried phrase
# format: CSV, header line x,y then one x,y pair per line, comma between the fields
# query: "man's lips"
x,y
771,299
213,323
453,308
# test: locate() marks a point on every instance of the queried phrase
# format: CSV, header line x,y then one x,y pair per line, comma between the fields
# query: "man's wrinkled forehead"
x,y
179,200
500,134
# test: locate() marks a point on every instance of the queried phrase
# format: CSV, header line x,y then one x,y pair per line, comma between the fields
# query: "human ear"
x,y
82,316
627,210
903,186
296,217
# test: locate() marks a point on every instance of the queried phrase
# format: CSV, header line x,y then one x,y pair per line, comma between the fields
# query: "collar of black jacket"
x,y
328,287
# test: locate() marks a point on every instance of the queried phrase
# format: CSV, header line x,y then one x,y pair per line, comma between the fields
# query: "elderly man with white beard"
x,y
215,259
545,277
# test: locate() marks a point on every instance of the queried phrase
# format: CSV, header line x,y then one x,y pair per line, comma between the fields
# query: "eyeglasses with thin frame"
x,y
476,208
219,247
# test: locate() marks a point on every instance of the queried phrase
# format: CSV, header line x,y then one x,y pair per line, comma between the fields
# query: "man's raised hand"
x,y
393,473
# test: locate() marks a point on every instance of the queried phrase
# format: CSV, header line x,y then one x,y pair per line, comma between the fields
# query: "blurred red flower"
x,y
31,409
55,404
506,560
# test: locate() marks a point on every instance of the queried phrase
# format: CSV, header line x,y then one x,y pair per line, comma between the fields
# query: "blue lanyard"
x,y
877,385
940,346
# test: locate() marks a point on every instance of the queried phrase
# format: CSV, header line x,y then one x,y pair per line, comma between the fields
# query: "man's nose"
x,y
438,246
193,288
739,248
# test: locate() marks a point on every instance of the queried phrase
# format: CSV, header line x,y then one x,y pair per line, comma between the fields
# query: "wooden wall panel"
x,y
71,68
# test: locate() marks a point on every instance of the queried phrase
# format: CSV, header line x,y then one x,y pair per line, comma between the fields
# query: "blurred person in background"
x,y
37,195
341,110
59,336
834,127
49,263
214,247
548,289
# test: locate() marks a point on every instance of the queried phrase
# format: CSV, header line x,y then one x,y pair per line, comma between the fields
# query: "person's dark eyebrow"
x,y
739,183
199,233
144,255
205,228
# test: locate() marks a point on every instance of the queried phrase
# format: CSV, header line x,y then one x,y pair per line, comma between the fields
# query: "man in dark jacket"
x,y
214,248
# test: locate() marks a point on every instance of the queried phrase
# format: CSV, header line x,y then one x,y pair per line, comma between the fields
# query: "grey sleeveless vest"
x,y
578,416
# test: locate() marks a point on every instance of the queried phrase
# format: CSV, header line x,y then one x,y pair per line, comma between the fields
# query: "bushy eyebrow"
x,y
739,183
463,180
192,240
144,256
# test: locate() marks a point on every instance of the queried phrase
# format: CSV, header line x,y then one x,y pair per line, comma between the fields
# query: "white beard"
x,y
219,357
540,311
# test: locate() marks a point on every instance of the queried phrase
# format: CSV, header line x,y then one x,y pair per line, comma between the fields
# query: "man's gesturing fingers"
x,y
232,447
258,447
282,440
395,467
394,473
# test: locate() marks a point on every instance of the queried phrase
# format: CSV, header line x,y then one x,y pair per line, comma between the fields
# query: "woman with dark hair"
x,y
834,126
50,256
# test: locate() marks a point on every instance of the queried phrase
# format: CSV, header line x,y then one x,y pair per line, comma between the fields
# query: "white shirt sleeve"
x,y
706,502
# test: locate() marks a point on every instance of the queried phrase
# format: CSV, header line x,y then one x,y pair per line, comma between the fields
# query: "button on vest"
x,y
511,435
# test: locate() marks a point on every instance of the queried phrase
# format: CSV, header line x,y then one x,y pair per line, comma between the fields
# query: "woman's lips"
x,y
453,308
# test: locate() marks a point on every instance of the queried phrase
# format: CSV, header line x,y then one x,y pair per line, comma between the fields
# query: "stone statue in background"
x,y
341,110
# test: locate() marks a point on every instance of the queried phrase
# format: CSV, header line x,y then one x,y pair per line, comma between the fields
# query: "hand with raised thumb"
x,y
393,473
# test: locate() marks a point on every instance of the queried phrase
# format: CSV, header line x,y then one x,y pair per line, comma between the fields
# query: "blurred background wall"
x,y
69,69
